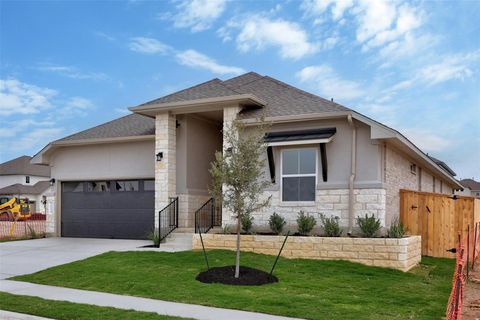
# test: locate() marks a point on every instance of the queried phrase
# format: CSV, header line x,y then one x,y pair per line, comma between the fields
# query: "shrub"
x,y
227,229
276,223
305,223
331,226
396,230
154,236
369,225
247,222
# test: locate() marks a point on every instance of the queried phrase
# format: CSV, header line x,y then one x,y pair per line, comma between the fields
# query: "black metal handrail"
x,y
168,218
208,216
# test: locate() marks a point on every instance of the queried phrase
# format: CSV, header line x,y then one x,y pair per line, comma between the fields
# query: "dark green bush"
x,y
247,222
396,230
276,223
305,223
369,225
331,225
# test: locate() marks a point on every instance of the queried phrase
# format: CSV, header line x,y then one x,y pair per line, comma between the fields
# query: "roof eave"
x,y
197,105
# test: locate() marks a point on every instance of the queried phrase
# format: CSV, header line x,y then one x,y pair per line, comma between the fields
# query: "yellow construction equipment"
x,y
12,208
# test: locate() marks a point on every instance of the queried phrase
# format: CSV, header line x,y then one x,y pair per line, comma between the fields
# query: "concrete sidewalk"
x,y
131,303
8,315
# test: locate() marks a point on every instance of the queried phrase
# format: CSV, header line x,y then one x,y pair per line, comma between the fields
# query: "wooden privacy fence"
x,y
439,218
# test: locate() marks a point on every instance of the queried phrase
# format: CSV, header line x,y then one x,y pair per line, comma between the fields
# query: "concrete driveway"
x,y
28,256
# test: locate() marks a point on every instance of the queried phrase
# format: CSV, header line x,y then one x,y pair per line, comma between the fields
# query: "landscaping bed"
x,y
226,275
402,254
311,289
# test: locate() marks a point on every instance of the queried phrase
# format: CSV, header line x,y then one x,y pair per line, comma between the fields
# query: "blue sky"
x,y
66,66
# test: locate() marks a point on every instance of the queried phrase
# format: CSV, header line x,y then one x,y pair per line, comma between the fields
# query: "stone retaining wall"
x,y
402,254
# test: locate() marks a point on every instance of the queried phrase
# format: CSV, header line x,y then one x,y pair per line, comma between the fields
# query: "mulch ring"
x,y
226,275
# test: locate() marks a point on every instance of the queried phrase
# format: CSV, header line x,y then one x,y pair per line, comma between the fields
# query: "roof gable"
x,y
22,166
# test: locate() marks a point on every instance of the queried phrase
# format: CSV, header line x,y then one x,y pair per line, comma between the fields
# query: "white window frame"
x,y
299,174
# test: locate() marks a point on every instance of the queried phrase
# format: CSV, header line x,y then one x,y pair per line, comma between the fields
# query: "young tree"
x,y
238,174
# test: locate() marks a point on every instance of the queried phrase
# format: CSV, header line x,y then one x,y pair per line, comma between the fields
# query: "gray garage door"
x,y
108,209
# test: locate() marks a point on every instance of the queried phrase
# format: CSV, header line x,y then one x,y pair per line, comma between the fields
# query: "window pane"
x,y
290,189
126,185
73,187
307,189
98,186
290,161
307,160
149,185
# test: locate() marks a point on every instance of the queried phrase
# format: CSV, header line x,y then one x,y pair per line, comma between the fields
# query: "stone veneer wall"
x,y
165,170
402,254
332,202
188,204
397,176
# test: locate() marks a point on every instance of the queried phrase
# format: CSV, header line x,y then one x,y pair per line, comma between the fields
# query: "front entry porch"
x,y
185,147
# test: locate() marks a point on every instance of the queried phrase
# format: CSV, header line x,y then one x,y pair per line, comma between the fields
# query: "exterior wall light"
x,y
159,156
52,182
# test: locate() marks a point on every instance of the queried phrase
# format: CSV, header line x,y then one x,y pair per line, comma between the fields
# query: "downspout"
x,y
351,213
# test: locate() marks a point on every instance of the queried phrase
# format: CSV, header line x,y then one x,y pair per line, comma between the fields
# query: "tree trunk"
x,y
237,261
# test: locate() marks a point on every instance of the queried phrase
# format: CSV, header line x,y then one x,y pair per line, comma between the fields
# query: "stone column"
x,y
165,170
229,115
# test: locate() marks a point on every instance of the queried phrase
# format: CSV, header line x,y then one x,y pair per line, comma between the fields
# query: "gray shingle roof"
x,y
127,126
210,89
443,165
281,99
22,165
19,189
470,184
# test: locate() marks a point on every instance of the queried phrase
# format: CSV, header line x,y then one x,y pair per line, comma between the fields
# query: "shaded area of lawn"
x,y
63,310
312,289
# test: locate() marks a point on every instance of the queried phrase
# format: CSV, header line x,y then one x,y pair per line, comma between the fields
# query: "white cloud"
x,y
21,98
37,138
196,59
454,67
72,72
426,140
148,45
378,23
256,32
198,15
123,111
329,84
74,107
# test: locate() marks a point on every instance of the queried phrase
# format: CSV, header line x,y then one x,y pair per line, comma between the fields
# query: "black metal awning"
x,y
320,136
288,137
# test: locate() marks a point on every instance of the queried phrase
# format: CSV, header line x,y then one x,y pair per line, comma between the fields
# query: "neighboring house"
x,y
471,188
20,178
323,158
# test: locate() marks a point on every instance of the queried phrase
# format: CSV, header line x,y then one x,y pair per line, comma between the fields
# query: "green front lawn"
x,y
63,310
310,289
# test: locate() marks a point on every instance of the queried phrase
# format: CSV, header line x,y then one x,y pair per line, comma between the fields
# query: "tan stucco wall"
x,y
402,254
104,161
369,154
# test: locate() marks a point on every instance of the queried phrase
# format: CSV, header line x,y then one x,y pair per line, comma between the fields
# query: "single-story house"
x,y
20,178
112,180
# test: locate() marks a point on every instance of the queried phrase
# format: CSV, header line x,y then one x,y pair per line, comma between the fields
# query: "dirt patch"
x,y
471,295
226,275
